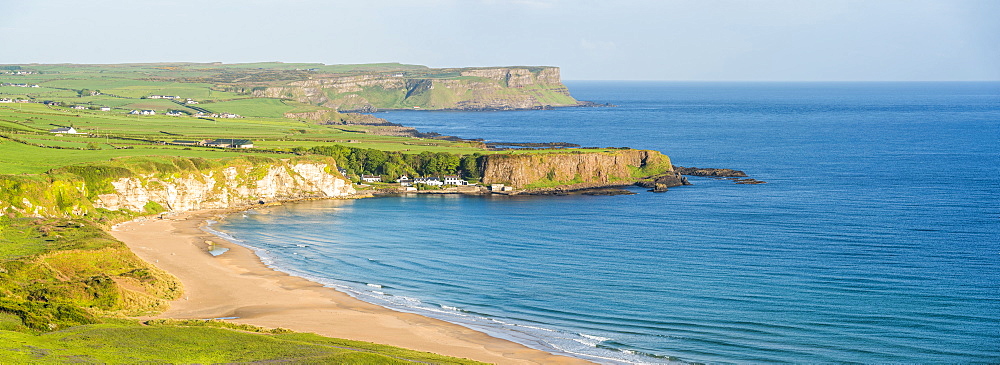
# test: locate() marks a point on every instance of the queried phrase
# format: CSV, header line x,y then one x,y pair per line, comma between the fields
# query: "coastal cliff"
x,y
136,186
496,88
574,170
230,186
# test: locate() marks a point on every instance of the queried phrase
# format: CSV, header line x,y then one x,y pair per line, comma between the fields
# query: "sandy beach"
x,y
237,284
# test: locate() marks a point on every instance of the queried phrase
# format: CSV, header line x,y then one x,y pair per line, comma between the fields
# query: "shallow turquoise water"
x,y
876,239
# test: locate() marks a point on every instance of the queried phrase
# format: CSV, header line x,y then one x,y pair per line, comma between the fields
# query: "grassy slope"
x,y
134,343
63,283
259,107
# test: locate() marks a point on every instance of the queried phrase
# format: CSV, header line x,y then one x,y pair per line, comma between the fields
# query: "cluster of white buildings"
x,y
221,142
81,107
143,112
20,85
219,115
172,97
9,100
431,181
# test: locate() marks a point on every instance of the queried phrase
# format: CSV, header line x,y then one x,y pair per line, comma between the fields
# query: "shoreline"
x,y
237,284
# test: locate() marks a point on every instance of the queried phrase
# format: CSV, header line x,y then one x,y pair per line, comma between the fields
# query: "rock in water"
x,y
710,172
660,183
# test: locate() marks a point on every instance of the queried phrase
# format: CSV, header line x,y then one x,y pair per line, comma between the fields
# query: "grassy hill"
x,y
68,289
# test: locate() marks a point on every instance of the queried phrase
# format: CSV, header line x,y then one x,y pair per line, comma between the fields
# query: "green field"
x,y
259,107
130,343
18,158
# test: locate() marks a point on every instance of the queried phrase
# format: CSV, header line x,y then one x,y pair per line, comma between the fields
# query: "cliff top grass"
x,y
217,88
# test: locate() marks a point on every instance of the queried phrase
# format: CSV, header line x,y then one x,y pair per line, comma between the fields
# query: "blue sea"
x,y
875,240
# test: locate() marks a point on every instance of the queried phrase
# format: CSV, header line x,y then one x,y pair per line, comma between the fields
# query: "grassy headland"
x,y
68,289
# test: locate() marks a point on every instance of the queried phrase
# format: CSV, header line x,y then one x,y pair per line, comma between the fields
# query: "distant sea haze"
x,y
876,239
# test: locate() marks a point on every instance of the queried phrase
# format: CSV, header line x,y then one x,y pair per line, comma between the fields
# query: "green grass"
x,y
58,273
17,158
133,343
258,107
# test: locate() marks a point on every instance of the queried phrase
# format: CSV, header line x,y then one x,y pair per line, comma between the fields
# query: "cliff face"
x,y
129,189
574,170
500,88
229,187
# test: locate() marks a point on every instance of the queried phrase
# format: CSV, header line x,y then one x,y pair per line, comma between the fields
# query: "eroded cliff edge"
x,y
492,88
576,169
138,186
129,187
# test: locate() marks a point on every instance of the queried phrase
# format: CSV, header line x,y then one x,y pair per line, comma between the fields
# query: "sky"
x,y
683,40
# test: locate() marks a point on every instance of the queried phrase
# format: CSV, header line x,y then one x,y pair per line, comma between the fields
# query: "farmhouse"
x,y
371,178
105,108
64,130
175,113
231,143
189,143
80,107
6,100
163,97
143,112
229,115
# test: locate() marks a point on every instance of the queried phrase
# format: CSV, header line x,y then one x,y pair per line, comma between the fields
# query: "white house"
x,y
64,130
175,113
432,181
371,178
229,115
454,180
231,143
405,181
143,112
80,107
6,100
105,108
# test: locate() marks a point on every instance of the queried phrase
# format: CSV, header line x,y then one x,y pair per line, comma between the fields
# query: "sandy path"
x,y
237,284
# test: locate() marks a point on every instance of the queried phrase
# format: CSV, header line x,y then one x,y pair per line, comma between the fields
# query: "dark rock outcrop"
x,y
710,172
661,183
736,176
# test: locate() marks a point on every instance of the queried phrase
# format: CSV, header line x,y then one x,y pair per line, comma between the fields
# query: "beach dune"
x,y
237,284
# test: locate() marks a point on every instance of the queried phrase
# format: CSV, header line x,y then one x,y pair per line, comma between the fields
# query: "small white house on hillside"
x,y
64,130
